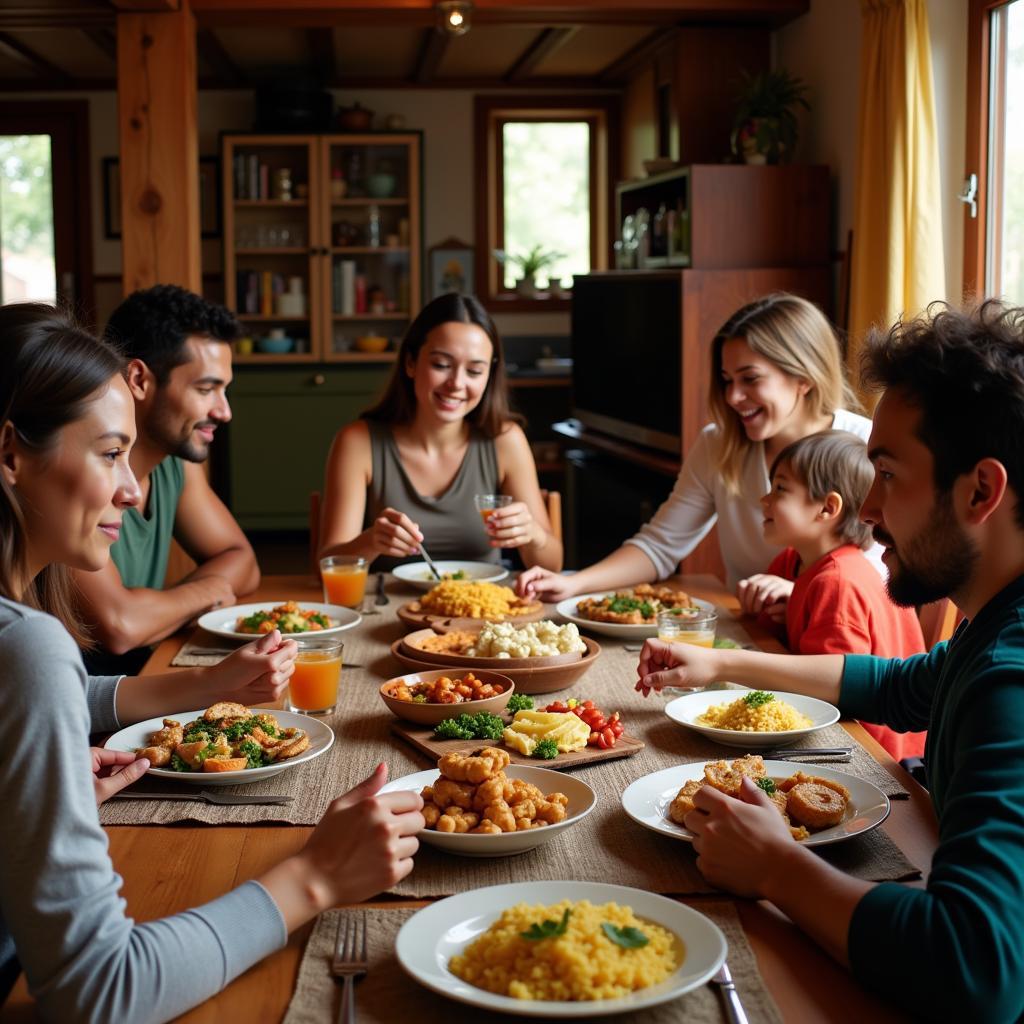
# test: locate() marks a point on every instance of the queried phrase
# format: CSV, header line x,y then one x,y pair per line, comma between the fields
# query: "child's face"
x,y
791,518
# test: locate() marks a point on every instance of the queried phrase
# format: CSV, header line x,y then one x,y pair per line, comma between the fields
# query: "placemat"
x,y
203,649
387,994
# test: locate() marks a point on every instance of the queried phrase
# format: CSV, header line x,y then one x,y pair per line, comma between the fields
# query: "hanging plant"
x,y
765,127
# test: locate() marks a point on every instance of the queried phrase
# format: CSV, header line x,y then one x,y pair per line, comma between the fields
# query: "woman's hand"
x,y
257,673
763,592
513,526
113,770
740,843
394,533
364,843
544,585
686,666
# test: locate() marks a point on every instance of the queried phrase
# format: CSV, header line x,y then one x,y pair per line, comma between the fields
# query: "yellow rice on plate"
x,y
740,715
581,964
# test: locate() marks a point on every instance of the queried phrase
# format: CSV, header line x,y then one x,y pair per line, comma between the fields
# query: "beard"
x,y
934,564
163,428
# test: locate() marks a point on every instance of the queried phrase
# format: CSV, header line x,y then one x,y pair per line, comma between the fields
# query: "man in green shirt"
x,y
947,443
179,351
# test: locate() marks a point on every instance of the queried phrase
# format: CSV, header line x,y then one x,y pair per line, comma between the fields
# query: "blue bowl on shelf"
x,y
275,346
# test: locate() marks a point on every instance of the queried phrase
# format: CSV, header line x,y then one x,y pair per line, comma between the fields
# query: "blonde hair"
x,y
794,335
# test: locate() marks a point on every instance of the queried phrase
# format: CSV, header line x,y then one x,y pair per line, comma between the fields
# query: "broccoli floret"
x,y
420,698
520,702
242,728
768,785
482,726
178,765
253,753
453,729
546,750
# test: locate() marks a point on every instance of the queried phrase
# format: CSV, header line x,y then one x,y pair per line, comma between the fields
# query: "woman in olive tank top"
x,y
405,473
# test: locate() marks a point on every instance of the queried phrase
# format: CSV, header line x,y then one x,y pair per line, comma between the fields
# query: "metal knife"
x,y
210,797
796,752
733,1007
381,597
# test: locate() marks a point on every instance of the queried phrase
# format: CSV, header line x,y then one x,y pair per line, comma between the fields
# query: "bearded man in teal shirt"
x,y
947,443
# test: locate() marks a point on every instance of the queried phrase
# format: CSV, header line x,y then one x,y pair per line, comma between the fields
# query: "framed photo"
x,y
451,268
209,197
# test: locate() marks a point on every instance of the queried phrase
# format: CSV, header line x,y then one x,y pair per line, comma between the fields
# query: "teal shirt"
x,y
140,553
955,950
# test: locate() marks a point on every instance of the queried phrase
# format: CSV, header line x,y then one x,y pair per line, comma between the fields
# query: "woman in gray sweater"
x,y
66,426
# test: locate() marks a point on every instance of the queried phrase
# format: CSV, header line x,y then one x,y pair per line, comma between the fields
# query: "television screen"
x,y
627,353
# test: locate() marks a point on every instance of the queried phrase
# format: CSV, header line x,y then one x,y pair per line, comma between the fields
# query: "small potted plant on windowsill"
x,y
536,259
765,127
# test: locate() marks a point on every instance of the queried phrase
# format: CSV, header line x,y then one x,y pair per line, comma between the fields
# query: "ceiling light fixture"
x,y
453,16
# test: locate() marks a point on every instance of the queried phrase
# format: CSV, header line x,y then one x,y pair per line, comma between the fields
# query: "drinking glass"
x,y
313,687
688,626
344,579
487,504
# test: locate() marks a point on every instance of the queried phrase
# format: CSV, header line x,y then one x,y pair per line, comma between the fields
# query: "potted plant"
x,y
536,259
765,127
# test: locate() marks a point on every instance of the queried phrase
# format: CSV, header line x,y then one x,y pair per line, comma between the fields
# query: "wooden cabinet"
x,y
323,248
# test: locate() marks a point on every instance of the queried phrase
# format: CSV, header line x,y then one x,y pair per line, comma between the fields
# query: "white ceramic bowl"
x,y
582,801
567,609
647,800
321,737
222,621
418,574
433,935
686,709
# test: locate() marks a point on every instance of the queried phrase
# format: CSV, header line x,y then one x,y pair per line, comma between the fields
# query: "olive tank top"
x,y
450,523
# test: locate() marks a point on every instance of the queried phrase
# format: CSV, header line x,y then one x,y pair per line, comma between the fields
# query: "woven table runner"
x,y
387,994
203,649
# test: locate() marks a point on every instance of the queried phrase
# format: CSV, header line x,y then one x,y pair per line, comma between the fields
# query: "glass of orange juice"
x,y
313,687
487,504
688,626
344,578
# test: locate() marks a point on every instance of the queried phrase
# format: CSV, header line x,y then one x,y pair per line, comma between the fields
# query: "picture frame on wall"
x,y
209,197
451,268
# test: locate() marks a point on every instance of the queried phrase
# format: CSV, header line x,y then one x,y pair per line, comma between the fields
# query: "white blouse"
x,y
700,499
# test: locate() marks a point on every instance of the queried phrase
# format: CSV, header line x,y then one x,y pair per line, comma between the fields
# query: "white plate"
x,y
647,800
418,574
686,709
321,737
222,620
432,936
567,609
582,800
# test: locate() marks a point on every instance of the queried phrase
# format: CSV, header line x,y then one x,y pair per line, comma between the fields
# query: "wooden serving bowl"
x,y
528,678
412,614
450,658
431,714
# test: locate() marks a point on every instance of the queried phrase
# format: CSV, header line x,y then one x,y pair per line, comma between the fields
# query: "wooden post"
x,y
157,111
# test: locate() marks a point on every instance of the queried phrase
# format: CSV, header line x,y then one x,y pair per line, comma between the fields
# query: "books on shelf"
x,y
257,293
251,177
343,287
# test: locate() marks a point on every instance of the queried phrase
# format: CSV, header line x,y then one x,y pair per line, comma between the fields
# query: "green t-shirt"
x,y
140,553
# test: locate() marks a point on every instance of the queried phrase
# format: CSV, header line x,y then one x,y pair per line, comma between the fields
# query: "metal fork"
x,y
348,964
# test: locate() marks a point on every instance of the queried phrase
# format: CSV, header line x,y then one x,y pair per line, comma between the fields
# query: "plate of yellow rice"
x,y
755,719
560,949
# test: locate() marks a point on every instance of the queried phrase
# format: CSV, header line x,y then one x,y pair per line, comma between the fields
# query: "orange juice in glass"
x,y
313,687
688,626
488,504
344,579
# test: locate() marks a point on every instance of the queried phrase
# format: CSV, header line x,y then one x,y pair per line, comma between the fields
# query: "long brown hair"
x,y
50,371
797,337
398,404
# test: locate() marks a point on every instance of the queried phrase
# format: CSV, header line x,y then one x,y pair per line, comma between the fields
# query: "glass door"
x,y
27,258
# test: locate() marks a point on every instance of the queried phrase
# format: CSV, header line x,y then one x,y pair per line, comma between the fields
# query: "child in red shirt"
x,y
838,604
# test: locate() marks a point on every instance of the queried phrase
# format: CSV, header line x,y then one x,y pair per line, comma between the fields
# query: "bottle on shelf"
x,y
360,293
338,185
373,226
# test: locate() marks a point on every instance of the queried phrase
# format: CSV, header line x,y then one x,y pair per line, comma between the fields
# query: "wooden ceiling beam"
x,y
433,47
39,64
321,52
547,42
68,16
103,39
155,6
621,68
219,60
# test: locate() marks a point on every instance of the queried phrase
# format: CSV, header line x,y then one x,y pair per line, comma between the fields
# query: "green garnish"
x,y
547,929
757,698
768,785
178,765
420,698
253,753
255,620
481,726
627,938
459,574
520,702
320,619
724,641
241,728
546,750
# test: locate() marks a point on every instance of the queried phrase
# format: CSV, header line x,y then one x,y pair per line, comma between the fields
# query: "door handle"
x,y
969,194
318,379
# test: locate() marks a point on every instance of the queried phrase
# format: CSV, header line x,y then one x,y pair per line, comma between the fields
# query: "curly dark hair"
x,y
964,369
153,325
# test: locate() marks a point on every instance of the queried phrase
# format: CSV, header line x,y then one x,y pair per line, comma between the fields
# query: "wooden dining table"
x,y
169,869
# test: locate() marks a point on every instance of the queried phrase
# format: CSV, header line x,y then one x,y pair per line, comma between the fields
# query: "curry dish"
x,y
638,606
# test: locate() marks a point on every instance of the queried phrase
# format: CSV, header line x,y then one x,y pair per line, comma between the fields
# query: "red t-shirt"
x,y
839,605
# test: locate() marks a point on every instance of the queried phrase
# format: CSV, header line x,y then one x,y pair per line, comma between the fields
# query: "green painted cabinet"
x,y
283,422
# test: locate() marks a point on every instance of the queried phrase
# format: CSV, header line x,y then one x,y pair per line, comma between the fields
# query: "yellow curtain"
x,y
897,261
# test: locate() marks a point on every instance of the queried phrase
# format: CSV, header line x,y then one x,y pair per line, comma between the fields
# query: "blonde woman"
x,y
776,376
